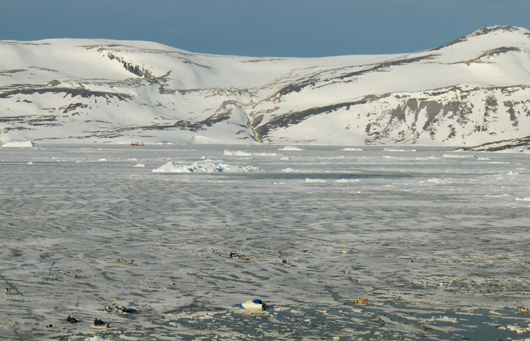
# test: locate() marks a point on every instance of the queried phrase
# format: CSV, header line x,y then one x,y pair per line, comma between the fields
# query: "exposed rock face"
x,y
513,145
470,91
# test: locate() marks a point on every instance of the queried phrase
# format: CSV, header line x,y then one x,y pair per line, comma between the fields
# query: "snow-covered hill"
x,y
473,90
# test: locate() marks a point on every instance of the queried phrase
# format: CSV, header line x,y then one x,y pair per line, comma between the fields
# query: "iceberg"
x,y
204,166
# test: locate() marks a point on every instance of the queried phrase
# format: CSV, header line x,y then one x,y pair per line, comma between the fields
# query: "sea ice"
x,y
291,148
203,166
20,144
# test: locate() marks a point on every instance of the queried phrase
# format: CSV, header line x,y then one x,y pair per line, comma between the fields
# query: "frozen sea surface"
x,y
437,241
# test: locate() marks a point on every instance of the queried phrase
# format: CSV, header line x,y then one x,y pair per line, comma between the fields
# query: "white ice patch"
x,y
352,149
308,180
205,166
140,165
290,170
523,199
347,180
466,156
236,153
245,153
291,148
399,150
442,319
20,144
438,181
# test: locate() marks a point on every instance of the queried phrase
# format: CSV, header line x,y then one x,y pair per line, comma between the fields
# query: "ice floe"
x,y
245,153
20,144
290,170
308,180
203,166
523,199
399,150
291,148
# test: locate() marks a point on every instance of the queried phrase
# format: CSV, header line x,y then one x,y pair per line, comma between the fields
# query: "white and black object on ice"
x,y
254,305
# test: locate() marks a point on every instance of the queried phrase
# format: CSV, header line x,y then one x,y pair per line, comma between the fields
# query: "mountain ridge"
x,y
473,90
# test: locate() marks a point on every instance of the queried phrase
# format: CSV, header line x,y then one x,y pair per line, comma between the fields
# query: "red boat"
x,y
137,143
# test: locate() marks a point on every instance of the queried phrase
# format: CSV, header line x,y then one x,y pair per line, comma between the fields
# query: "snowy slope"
x,y
473,90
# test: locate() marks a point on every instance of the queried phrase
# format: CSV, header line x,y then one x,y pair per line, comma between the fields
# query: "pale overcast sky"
x,y
274,28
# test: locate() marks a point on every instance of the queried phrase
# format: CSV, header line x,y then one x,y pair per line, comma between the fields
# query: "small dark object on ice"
x,y
99,324
71,319
122,309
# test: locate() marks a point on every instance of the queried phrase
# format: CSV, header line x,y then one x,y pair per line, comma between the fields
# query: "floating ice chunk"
x,y
308,180
460,156
267,154
427,158
399,150
523,199
291,148
204,166
244,153
512,173
351,149
20,144
438,181
290,170
443,319
140,165
347,180
236,153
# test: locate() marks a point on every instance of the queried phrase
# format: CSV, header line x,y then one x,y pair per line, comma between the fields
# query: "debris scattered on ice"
x,y
204,166
20,144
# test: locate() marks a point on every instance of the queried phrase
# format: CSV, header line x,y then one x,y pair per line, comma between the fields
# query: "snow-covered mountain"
x,y
473,90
